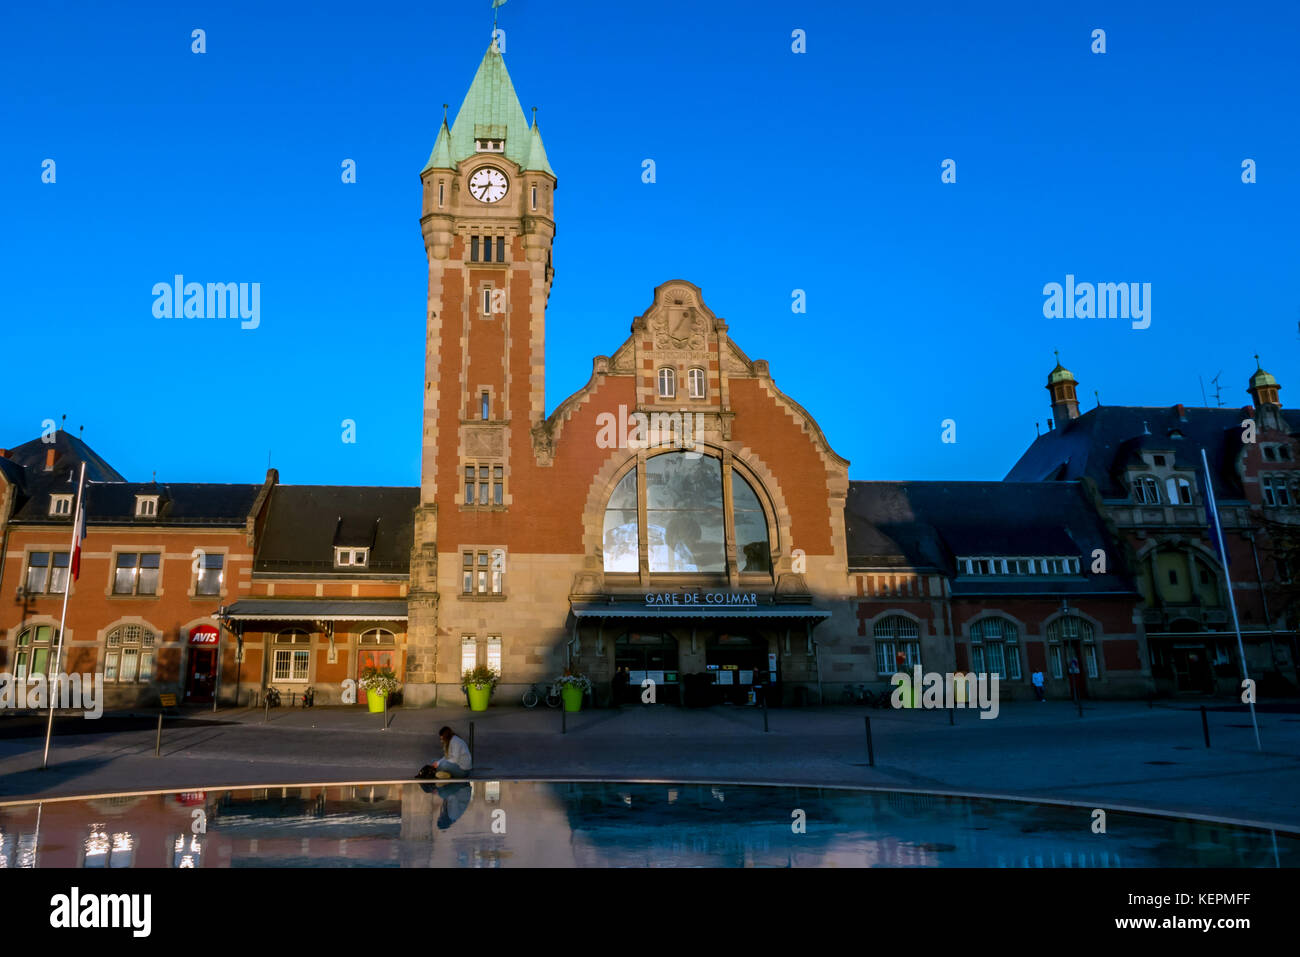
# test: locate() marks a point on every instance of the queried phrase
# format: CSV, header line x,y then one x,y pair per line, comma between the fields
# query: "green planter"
x,y
479,696
572,697
375,700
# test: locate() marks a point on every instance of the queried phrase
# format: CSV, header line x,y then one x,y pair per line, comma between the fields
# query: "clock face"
x,y
488,184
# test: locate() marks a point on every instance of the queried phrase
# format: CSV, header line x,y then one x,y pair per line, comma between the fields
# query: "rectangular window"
x,y
60,504
482,573
59,573
441,193
482,484
1270,455
485,484
501,249
468,653
1054,658
38,572
136,573
130,663
1090,659
494,653
1281,492
469,485
292,664
210,575
498,485
473,249
484,403
1267,488
534,197
487,301
467,573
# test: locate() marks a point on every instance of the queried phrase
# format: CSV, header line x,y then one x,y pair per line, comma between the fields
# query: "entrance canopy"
x,y
699,613
275,609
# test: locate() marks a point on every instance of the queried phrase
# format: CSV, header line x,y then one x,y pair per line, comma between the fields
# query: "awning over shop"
x,y
277,609
699,611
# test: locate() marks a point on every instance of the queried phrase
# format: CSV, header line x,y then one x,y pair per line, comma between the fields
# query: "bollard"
x,y
765,711
952,716
1205,725
157,745
385,727
471,740
871,750
266,712
564,719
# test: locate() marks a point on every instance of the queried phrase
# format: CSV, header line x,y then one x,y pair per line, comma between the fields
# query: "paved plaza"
x,y
1119,754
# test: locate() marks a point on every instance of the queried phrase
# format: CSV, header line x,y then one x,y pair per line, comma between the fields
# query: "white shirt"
x,y
458,753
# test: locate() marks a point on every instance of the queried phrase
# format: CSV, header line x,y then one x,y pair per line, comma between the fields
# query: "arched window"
x,y
33,652
377,636
1180,491
994,648
291,659
1146,491
695,383
1068,636
684,525
667,383
898,644
753,551
621,541
128,655
685,529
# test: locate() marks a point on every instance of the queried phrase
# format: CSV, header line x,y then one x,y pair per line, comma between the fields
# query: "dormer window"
x,y
489,146
1158,461
1180,491
60,504
351,557
1146,491
146,506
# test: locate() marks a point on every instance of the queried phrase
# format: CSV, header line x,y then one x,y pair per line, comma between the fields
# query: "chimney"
x,y
4,453
50,456
1182,412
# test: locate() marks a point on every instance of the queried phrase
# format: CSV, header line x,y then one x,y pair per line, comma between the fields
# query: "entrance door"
x,y
647,656
372,658
203,675
737,663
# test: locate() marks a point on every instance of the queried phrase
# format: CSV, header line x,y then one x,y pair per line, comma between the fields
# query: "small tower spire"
x,y
1061,386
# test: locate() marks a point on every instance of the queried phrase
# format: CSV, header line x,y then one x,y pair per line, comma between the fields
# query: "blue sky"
x,y
775,171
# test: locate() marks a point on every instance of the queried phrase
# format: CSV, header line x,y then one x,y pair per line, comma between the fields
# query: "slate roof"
x,y
928,525
113,503
70,453
306,522
1101,442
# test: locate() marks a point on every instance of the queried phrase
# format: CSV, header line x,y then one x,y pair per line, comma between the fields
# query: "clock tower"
x,y
488,224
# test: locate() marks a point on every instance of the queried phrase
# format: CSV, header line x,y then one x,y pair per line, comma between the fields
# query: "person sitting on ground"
x,y
455,761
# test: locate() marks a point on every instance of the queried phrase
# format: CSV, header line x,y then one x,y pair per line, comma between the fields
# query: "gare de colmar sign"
x,y
713,599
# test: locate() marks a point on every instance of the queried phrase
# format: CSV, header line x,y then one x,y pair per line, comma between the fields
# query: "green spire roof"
x,y
440,158
537,153
490,110
1260,378
1060,373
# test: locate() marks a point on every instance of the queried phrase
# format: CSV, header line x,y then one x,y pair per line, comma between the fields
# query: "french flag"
x,y
78,535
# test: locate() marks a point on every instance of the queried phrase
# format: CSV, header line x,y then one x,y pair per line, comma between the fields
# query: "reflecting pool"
x,y
601,824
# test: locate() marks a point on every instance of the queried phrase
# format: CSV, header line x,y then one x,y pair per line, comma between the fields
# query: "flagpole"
x,y
1232,601
67,590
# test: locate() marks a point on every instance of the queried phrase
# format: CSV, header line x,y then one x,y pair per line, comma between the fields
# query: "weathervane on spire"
x,y
495,4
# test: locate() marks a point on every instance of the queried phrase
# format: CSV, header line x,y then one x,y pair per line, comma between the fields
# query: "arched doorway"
x,y
652,656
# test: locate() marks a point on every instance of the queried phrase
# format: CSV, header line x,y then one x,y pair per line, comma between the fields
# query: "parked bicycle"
x,y
532,696
866,697
272,697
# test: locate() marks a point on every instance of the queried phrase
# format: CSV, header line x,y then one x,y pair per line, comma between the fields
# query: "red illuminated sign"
x,y
204,635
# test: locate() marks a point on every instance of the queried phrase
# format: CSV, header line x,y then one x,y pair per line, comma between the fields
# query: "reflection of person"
x,y
455,801
456,761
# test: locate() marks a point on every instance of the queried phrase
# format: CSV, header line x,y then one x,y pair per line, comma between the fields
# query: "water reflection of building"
x,y
595,824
